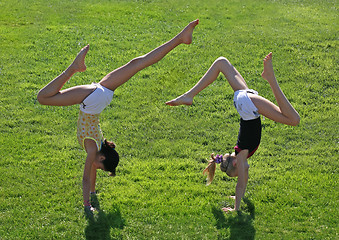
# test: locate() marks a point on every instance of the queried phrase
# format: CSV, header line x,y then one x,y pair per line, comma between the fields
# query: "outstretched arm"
x,y
242,178
93,178
91,150
242,167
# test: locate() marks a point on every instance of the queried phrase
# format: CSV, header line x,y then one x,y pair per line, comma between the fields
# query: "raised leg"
x,y
284,112
234,78
121,75
51,94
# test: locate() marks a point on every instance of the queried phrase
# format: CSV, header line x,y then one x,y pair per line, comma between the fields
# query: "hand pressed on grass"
x,y
94,201
228,209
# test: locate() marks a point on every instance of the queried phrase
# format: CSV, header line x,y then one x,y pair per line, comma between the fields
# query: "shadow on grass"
x,y
239,225
105,226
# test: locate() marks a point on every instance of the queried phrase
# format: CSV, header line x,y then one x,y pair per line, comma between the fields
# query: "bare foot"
x,y
186,34
268,73
181,100
78,64
228,209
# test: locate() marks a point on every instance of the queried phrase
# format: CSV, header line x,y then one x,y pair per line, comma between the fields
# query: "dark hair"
x,y
111,156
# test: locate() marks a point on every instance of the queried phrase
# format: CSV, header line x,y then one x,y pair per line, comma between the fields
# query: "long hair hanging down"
x,y
111,156
210,170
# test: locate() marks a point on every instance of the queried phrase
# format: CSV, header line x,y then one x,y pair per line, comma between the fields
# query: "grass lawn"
x,y
159,191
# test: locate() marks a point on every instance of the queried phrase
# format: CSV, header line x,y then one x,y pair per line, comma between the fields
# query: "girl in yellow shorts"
x,y
94,98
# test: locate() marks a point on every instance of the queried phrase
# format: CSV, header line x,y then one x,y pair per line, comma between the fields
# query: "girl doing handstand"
x,y
249,106
94,98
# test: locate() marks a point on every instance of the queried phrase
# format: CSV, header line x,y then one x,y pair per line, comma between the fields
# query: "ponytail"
x,y
225,166
210,169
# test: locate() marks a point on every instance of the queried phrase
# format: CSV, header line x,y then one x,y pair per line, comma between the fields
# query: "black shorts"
x,y
249,136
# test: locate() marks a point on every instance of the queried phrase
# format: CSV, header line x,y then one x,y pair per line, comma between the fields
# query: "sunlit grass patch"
x,y
159,191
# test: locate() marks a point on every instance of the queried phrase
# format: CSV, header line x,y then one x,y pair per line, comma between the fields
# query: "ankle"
x,y
69,72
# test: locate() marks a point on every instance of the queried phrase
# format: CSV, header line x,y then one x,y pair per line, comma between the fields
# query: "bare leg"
x,y
121,75
285,113
234,78
51,94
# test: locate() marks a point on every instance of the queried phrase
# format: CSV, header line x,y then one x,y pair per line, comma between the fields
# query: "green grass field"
x,y
160,192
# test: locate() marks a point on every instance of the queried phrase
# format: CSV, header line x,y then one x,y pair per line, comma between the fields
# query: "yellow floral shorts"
x,y
89,128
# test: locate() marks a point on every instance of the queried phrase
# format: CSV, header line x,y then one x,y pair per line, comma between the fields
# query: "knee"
x,y
136,62
222,61
296,120
41,99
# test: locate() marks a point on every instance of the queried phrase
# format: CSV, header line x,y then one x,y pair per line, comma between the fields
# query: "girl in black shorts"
x,y
249,106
